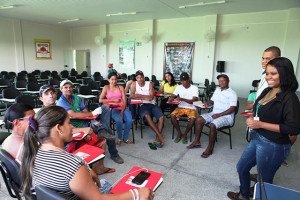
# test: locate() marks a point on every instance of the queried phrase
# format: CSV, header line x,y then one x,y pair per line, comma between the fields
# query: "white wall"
x,y
17,48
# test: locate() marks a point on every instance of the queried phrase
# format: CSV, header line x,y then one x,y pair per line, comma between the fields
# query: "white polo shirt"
x,y
223,100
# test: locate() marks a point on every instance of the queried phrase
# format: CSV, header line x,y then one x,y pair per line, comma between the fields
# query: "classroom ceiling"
x,y
93,12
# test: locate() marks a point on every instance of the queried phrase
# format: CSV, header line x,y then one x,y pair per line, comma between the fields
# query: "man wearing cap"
x,y
76,109
224,101
143,90
186,94
48,95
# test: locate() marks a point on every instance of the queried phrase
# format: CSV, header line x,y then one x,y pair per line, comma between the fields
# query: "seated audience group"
x,y
38,142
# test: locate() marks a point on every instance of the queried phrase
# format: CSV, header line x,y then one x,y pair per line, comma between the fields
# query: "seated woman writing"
x,y
44,142
276,115
115,93
167,87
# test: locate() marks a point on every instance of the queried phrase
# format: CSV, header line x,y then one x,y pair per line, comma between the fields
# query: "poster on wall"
x,y
126,54
42,49
178,57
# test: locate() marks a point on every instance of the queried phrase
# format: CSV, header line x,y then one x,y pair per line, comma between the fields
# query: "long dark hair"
x,y
173,82
288,80
46,119
112,74
15,111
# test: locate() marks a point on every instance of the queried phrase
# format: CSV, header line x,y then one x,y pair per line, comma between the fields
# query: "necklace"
x,y
54,147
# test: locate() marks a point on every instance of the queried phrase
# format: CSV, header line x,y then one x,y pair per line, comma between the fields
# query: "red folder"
x,y
90,153
135,101
154,180
158,95
247,114
112,104
90,117
173,102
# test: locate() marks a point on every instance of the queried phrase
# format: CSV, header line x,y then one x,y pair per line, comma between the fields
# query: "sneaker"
x,y
235,196
253,177
118,159
105,134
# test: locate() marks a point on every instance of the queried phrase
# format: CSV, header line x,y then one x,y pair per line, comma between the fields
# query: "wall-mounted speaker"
x,y
221,66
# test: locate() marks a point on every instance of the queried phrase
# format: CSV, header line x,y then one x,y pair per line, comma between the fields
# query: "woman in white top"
x,y
16,118
46,163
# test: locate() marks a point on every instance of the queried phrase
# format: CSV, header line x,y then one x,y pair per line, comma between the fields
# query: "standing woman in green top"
x,y
167,87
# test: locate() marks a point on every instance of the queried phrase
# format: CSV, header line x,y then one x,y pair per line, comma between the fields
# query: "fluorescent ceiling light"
x,y
68,20
203,4
7,7
121,13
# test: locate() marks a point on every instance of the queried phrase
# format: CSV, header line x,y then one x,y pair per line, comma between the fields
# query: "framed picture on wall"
x,y
126,54
178,57
42,49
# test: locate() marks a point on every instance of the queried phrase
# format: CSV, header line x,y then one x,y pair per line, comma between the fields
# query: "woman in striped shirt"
x,y
45,162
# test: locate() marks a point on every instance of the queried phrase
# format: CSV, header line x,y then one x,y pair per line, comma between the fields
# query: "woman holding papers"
x,y
46,163
167,88
276,115
116,94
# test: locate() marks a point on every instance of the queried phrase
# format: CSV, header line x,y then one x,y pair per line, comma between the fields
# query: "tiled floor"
x,y
186,174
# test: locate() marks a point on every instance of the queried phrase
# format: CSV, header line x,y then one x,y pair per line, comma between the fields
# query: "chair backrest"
x,y
153,78
73,72
5,82
24,72
26,99
32,79
54,73
78,76
33,87
124,76
13,74
236,111
58,92
98,78
85,90
4,73
97,74
37,71
44,75
212,86
10,93
10,171
21,84
43,192
72,78
54,82
84,74
206,82
147,78
64,74
21,77
94,85
86,81
48,72
104,82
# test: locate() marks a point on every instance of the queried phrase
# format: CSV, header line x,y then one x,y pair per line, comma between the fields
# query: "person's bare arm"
x,y
249,105
226,112
190,101
128,86
82,130
83,186
123,99
256,124
77,115
161,89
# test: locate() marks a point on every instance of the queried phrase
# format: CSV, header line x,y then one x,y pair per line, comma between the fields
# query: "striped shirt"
x,y
55,169
223,100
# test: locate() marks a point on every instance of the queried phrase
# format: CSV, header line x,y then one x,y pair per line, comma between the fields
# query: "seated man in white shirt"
x,y
224,100
186,94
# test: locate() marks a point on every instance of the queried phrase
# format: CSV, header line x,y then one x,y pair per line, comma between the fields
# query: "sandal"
x,y
177,140
205,155
157,144
118,143
128,141
152,146
108,171
185,141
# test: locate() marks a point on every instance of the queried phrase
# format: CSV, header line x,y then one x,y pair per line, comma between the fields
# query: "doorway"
x,y
82,61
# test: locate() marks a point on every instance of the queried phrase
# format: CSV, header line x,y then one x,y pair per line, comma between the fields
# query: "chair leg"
x,y
132,130
230,138
142,128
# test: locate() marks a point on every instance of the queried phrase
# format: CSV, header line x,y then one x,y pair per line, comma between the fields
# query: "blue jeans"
x,y
150,109
267,155
105,186
104,119
119,123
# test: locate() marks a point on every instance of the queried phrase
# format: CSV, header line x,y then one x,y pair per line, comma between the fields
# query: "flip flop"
x,y
194,146
205,155
185,141
152,146
177,140
110,170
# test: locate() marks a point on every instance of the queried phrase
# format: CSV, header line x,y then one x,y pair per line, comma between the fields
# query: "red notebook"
x,y
173,102
136,101
125,184
247,114
89,153
158,95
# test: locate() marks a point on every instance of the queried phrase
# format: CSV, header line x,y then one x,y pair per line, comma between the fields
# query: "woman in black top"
x,y
276,114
